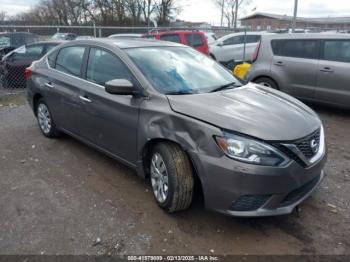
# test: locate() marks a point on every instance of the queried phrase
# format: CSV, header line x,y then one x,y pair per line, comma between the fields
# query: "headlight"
x,y
250,151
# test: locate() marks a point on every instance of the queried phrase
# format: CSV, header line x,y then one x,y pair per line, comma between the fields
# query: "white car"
x,y
231,46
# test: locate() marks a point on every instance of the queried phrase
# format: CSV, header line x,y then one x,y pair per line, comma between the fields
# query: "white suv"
x,y
231,46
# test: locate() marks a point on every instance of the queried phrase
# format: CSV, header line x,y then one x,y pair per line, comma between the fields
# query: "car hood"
x,y
252,110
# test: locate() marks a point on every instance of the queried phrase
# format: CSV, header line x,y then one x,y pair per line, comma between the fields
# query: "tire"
x,y
45,121
267,82
175,177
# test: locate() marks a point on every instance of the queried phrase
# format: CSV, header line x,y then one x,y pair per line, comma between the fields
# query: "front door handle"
x,y
85,99
49,85
327,69
279,63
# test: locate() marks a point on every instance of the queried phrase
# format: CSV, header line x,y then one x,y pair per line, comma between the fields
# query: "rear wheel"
x,y
268,82
45,121
171,177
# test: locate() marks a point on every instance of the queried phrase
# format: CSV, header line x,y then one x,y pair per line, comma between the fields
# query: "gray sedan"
x,y
179,118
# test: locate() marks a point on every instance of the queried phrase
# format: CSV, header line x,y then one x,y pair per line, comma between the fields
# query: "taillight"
x,y
27,73
256,52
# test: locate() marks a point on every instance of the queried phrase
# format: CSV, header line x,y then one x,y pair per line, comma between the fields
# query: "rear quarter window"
x,y
295,48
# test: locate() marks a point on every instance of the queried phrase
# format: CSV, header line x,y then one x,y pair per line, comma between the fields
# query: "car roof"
x,y
49,42
16,33
307,36
176,32
124,43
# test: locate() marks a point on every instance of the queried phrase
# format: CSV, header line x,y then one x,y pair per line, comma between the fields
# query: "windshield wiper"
x,y
223,87
180,93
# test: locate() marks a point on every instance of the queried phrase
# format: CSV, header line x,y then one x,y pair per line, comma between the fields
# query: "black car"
x,y
64,36
13,65
11,41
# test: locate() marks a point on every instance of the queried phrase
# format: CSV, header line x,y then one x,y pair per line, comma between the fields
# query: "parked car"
x,y
64,36
178,118
84,37
312,67
236,46
125,36
211,37
195,39
11,41
13,65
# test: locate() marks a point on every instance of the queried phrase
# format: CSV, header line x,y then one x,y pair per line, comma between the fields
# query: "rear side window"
x,y
172,38
104,66
69,60
295,48
336,50
49,47
194,40
252,39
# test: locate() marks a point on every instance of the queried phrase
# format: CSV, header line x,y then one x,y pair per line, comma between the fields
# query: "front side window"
x,y
295,48
104,66
172,38
194,40
180,69
337,50
236,40
69,60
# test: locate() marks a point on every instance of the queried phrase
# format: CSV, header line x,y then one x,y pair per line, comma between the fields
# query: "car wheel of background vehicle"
x,y
45,121
171,177
268,82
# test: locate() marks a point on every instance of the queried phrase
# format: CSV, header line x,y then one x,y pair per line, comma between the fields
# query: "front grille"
x,y
304,145
299,193
249,202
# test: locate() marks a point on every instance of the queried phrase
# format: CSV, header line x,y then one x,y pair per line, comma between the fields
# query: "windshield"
x,y
5,41
180,70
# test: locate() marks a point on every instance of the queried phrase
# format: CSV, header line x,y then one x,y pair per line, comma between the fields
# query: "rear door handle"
x,y
327,69
49,85
279,63
85,99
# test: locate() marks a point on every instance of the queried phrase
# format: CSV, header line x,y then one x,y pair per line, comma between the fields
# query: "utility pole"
x,y
222,12
236,13
295,15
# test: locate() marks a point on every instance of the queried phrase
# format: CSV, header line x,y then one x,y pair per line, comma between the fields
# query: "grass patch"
x,y
12,100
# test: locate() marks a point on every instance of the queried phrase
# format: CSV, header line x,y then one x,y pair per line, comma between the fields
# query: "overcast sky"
x,y
206,11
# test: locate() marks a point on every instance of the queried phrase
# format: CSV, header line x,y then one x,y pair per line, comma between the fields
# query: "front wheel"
x,y
171,177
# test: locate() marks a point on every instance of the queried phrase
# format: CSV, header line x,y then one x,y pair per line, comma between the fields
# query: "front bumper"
x,y
241,189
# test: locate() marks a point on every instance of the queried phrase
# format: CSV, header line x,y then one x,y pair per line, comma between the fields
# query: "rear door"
x,y
333,74
295,64
65,88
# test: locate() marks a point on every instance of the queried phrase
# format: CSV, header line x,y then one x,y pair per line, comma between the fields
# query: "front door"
x,y
333,80
112,119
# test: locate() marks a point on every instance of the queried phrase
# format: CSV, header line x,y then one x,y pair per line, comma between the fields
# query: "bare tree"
x,y
2,15
230,9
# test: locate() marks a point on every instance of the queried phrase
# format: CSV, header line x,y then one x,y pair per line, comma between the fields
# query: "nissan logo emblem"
x,y
314,145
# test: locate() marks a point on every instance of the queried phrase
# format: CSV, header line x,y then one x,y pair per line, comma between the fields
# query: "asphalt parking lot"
x,y
62,197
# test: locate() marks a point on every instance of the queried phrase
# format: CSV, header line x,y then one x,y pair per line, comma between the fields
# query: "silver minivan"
x,y
311,67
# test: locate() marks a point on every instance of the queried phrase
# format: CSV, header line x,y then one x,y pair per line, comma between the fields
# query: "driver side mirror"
x,y
120,87
220,44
